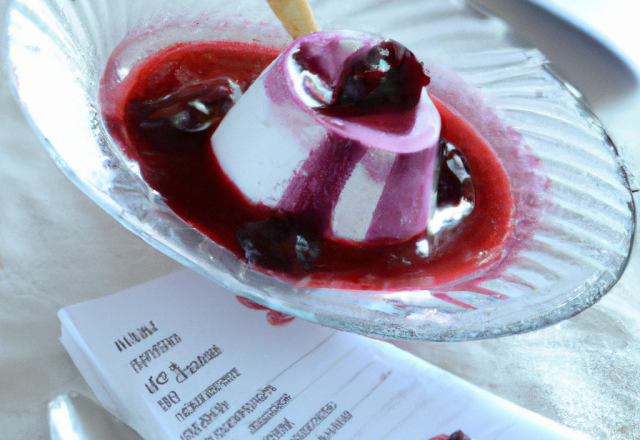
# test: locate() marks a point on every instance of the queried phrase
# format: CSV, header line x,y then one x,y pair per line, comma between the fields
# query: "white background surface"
x,y
58,248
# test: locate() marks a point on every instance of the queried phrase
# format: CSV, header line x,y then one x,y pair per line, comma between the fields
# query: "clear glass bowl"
x,y
575,215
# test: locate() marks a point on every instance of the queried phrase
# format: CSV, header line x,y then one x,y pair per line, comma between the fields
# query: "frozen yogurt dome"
x,y
339,133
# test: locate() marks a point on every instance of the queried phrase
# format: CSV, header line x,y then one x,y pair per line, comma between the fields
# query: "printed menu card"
x,y
180,358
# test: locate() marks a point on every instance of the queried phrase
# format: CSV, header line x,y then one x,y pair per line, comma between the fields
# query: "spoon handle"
x,y
295,15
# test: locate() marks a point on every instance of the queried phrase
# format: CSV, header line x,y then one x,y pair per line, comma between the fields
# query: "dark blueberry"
x,y
455,183
279,243
388,78
192,108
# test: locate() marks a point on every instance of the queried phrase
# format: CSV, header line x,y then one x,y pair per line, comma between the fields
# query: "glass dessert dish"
x,y
572,222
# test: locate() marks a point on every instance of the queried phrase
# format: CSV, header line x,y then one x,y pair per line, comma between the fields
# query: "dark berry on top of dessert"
x,y
384,79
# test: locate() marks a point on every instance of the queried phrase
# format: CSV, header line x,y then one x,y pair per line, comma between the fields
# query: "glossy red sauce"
x,y
182,168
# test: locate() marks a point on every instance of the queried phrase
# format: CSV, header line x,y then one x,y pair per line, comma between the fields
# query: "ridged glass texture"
x,y
571,241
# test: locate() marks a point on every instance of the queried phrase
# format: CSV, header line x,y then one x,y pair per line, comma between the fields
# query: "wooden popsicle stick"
x,y
295,15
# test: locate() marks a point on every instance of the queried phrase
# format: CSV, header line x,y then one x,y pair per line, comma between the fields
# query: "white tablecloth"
x,y
58,248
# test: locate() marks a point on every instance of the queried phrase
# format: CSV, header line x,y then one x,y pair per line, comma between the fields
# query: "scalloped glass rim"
x,y
573,238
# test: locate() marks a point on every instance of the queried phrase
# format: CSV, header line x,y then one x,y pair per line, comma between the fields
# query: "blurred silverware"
x,y
76,417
